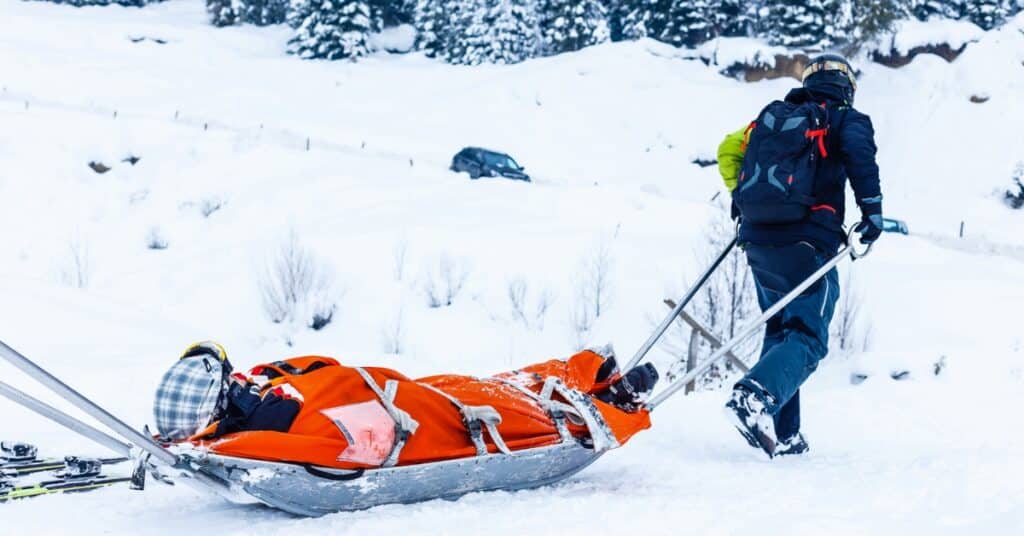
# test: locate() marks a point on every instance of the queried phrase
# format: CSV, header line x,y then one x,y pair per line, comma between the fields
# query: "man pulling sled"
x,y
311,436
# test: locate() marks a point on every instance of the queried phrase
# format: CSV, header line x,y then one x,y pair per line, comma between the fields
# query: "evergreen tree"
x,y
568,25
262,12
732,18
437,23
947,9
225,12
798,22
986,13
329,29
687,23
646,18
498,31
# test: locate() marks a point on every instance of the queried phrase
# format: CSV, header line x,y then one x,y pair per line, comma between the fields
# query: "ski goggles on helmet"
x,y
831,65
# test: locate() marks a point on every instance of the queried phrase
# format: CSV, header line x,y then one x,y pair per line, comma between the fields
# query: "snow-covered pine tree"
x,y
225,12
947,9
498,31
863,21
646,18
986,13
329,29
688,23
439,24
568,25
261,12
798,22
732,18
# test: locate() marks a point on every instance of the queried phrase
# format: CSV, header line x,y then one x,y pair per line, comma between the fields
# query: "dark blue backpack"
x,y
784,148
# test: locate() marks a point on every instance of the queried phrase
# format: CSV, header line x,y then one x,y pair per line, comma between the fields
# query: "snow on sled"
x,y
310,436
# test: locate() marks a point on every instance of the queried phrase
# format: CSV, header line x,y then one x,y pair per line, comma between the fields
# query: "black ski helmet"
x,y
834,69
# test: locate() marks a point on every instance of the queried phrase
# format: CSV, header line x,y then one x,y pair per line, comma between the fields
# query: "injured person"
x,y
313,410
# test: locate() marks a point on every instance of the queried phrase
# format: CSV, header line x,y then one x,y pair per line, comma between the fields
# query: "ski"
x,y
9,491
19,459
41,466
74,475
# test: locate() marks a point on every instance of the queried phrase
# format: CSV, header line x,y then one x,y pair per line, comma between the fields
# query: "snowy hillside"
x,y
241,146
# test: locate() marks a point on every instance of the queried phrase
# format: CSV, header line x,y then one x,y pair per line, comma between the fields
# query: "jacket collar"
x,y
829,93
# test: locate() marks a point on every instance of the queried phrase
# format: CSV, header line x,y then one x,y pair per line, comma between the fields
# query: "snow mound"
x,y
911,34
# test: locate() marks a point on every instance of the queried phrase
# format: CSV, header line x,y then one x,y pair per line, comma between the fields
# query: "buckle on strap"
x,y
476,419
405,425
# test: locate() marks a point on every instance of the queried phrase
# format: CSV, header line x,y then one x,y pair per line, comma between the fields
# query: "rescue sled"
x,y
310,490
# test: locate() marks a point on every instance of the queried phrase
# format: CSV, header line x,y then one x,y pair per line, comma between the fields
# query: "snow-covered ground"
x,y
222,116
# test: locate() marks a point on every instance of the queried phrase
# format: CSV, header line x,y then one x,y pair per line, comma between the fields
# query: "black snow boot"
x,y
630,391
750,417
793,446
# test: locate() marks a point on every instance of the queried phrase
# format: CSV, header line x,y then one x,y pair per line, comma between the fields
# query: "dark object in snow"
x,y
892,225
858,378
900,375
132,159
895,59
705,162
980,99
141,39
939,366
99,167
1015,200
487,163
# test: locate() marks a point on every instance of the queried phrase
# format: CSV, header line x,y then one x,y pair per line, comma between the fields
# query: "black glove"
x,y
870,226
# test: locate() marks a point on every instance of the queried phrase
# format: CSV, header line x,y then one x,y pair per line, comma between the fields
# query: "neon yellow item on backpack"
x,y
730,156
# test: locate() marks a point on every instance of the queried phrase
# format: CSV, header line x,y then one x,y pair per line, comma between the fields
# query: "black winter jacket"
x,y
851,155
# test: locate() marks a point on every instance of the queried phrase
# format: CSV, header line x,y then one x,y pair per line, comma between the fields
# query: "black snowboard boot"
x,y
750,417
793,446
630,391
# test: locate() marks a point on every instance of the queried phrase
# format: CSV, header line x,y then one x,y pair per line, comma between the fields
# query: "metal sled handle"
x,y
849,250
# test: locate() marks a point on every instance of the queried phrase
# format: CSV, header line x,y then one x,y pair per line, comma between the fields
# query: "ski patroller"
x,y
310,491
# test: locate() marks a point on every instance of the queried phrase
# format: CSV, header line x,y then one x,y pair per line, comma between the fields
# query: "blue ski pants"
x,y
796,339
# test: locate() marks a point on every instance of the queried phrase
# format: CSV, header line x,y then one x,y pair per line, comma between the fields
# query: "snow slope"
x,y
222,116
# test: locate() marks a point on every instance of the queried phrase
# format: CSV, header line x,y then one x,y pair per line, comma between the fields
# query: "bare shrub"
x,y
75,267
596,282
296,286
210,205
725,304
442,286
155,239
520,298
399,255
592,296
849,332
392,333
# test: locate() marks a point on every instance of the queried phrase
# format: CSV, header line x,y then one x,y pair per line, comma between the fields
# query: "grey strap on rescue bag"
x,y
477,419
558,411
405,425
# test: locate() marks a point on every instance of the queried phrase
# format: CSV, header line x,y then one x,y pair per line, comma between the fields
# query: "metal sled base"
x,y
306,491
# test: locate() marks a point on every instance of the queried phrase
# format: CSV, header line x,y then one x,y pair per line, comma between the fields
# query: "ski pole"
x,y
663,327
848,250
64,419
81,402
